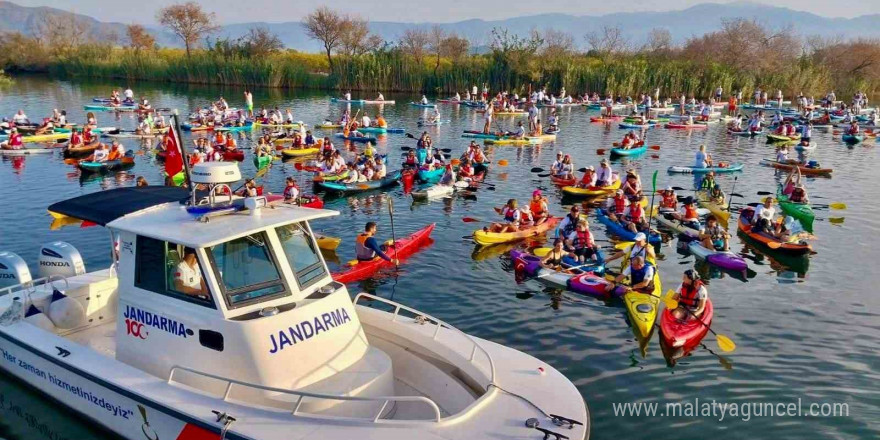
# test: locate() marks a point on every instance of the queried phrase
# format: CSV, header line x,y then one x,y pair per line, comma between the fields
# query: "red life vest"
x,y
75,139
668,201
537,207
635,212
583,238
690,294
15,140
619,204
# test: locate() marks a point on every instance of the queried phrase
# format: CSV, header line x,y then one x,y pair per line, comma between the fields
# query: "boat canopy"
x,y
105,206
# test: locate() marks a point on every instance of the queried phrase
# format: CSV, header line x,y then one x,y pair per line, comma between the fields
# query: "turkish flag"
x,y
173,155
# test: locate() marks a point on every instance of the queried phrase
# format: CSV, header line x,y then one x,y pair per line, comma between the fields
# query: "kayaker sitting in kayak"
x,y
553,259
511,215
580,242
15,141
763,217
691,295
116,152
366,247
605,174
633,217
794,189
448,176
568,223
688,215
291,191
538,207
640,248
589,178
616,206
465,170
713,236
708,183
519,133
640,274
48,126
100,155
668,201
632,188
411,161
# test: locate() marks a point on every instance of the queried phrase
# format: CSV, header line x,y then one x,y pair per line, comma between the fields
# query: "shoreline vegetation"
x,y
741,55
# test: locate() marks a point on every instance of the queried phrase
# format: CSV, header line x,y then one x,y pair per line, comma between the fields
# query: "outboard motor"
x,y
13,270
60,258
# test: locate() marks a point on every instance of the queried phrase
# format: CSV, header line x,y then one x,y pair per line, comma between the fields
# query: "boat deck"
x,y
101,338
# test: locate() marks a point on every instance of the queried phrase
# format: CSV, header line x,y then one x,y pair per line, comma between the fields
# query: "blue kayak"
x,y
356,138
388,180
431,176
347,101
629,152
853,139
628,125
233,128
620,231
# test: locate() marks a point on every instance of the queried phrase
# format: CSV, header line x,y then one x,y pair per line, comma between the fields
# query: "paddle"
x,y
537,170
731,191
544,175
651,206
541,251
724,343
471,220
393,236
502,163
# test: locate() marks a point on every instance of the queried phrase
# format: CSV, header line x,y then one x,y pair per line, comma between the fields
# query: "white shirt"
x,y
604,174
188,276
365,121
764,212
100,155
19,118
128,94
348,96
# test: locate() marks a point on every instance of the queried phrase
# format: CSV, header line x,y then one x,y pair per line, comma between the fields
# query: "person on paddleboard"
x,y
367,248
691,296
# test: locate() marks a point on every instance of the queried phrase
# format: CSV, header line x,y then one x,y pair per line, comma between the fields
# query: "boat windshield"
x,y
301,252
247,270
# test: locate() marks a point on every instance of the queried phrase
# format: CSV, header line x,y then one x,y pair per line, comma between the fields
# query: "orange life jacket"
x,y
537,207
690,212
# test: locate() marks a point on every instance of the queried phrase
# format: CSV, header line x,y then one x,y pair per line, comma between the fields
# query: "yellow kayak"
x,y
290,152
327,243
719,210
513,141
293,125
591,192
511,113
543,137
329,126
487,238
642,307
45,137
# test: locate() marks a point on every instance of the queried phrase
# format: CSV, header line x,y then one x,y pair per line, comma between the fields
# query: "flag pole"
x,y
182,150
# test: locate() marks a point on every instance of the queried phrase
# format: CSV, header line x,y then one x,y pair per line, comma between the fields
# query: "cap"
x,y
620,192
689,200
669,188
591,168
604,161
640,237
536,192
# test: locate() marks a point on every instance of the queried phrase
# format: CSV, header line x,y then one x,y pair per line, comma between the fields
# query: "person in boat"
x,y
580,243
512,217
526,219
20,118
369,150
640,274
367,248
381,170
782,154
568,223
144,104
310,139
691,296
806,134
629,141
634,217
553,259
411,161
465,170
708,183
688,215
605,175
702,158
250,188
476,155
76,139
188,277
354,174
380,121
101,154
117,151
589,178
230,143
128,96
552,122
853,128
668,200
15,141
795,190
616,205
556,167
764,216
519,133
538,208
632,188
713,236
291,190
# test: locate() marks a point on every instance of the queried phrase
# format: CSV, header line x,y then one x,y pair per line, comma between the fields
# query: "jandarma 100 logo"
x,y
138,321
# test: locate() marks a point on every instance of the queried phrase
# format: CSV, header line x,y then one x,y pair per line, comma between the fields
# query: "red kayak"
x,y
559,181
234,155
311,201
401,249
685,334
686,126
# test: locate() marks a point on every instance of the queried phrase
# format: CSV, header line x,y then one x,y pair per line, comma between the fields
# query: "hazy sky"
x,y
238,11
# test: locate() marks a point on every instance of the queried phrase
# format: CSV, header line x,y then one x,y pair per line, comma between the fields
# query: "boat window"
x,y
170,269
302,254
247,270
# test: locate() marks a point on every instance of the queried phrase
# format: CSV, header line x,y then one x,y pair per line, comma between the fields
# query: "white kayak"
x,y
677,226
24,151
439,190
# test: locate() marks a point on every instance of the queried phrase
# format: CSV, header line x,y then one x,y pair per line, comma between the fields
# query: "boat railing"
x,y
301,395
475,347
29,287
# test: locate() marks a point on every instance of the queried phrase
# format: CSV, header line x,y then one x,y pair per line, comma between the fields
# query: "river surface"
x,y
807,329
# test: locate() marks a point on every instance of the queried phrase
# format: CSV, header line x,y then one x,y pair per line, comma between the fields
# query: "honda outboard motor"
x,y
13,270
60,258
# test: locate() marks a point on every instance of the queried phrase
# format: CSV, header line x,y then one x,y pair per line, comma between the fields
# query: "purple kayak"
x,y
723,259
586,283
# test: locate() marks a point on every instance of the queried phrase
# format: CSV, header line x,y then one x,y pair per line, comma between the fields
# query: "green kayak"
x,y
262,161
800,211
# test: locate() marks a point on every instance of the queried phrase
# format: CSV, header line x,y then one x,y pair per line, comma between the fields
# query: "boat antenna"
x,y
182,149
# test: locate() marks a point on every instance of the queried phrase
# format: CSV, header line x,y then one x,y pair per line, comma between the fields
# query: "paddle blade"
x,y
582,170
623,245
669,301
541,252
725,343
502,162
544,175
615,144
600,152
774,245
537,170
351,263
470,220
654,147
837,205
298,166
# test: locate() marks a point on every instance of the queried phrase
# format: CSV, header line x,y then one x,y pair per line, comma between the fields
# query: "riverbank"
x,y
394,71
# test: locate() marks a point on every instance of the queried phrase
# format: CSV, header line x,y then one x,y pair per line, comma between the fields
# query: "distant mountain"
x,y
694,21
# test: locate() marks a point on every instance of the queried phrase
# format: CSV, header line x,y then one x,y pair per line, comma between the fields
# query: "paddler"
x,y
556,167
291,191
605,175
411,161
553,259
20,118
634,217
632,187
708,183
367,248
640,274
520,131
380,120
713,236
640,248
668,200
511,216
616,206
589,178
688,215
702,159
691,296
568,223
580,242
101,154
76,139
764,216
465,169
117,151
538,207
14,142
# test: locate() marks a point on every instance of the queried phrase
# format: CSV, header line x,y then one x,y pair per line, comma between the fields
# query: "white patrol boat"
x,y
220,320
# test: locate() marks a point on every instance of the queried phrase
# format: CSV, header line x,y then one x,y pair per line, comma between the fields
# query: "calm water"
x,y
805,328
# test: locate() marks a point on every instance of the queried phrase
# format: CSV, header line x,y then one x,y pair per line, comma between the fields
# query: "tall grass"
x,y
395,71
5,80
